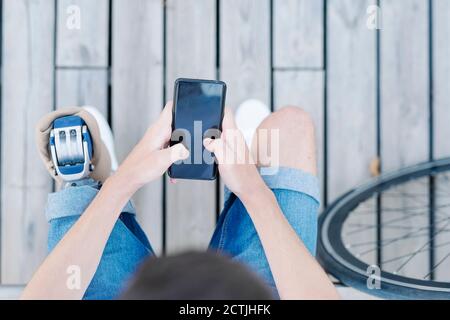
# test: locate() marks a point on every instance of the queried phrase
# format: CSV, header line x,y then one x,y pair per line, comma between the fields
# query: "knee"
x,y
292,118
295,114
295,147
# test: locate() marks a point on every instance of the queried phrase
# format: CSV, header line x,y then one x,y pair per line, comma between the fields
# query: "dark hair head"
x,y
195,276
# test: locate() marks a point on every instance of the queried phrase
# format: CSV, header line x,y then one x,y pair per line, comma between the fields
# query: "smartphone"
x,y
197,113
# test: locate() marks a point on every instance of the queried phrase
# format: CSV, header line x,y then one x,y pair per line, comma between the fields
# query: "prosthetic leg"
x,y
71,148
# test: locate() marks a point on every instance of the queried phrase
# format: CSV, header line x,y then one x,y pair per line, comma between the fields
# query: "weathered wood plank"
x,y
82,35
298,33
351,91
441,72
191,52
10,292
404,116
28,55
351,108
404,82
245,50
441,113
298,43
347,293
304,89
77,87
137,93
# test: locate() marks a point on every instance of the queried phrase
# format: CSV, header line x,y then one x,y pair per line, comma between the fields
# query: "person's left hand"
x,y
236,165
151,157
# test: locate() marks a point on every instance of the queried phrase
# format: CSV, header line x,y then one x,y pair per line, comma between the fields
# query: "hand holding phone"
x,y
197,114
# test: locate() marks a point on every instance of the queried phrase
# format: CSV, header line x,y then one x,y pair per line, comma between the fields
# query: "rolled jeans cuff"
x,y
288,179
73,201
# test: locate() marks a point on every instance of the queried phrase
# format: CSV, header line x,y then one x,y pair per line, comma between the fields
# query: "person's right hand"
x,y
236,165
152,156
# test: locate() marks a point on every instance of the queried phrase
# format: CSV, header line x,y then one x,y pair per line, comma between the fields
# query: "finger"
x,y
228,119
158,134
168,107
216,146
230,131
172,180
210,144
166,114
173,154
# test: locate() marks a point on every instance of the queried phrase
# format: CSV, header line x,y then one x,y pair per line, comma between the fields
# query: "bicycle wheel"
x,y
398,224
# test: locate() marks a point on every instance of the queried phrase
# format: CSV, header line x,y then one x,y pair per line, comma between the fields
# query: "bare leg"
x,y
296,148
235,233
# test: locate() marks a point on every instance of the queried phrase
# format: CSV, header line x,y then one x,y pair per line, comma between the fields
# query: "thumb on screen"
x,y
175,153
215,146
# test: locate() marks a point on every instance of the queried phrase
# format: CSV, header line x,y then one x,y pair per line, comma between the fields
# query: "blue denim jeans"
x,y
296,191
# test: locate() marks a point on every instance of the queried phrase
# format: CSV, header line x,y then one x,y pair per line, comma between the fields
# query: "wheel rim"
x,y
335,252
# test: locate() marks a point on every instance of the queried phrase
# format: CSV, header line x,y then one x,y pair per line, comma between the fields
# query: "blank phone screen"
x,y
198,112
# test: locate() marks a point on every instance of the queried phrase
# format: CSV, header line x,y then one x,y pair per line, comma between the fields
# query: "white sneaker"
x,y
105,134
249,116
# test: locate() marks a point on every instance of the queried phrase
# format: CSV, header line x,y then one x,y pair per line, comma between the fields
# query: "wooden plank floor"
x,y
27,94
136,95
191,53
441,114
405,110
13,293
368,91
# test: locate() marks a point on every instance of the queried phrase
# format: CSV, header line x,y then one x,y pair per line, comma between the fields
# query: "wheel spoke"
x,y
419,249
400,221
